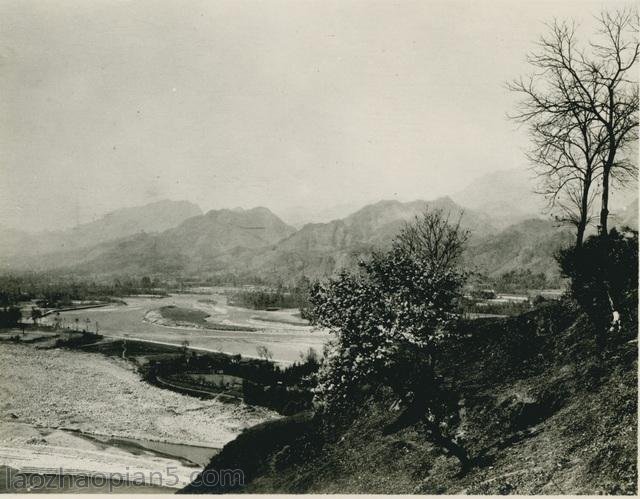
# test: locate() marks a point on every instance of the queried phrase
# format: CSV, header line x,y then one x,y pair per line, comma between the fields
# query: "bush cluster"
x,y
604,276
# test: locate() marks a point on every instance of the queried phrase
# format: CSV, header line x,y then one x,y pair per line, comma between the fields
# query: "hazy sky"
x,y
118,103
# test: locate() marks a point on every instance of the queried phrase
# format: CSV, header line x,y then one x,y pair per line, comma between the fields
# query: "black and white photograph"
x,y
319,247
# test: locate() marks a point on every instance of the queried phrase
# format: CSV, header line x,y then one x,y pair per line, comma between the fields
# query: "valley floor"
x,y
239,330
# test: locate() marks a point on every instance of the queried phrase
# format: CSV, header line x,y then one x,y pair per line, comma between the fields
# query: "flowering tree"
x,y
389,321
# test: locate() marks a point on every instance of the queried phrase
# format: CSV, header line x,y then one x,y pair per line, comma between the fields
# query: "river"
x,y
282,332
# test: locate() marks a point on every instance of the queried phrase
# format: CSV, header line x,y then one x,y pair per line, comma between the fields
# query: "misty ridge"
x,y
506,219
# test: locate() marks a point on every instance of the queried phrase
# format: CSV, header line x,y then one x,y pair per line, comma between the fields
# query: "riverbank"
x,y
49,398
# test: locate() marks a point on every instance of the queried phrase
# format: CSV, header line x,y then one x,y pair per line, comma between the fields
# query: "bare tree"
x,y
185,352
435,235
582,102
566,158
573,204
36,314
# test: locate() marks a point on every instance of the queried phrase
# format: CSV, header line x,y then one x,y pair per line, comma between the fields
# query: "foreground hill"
x,y
537,415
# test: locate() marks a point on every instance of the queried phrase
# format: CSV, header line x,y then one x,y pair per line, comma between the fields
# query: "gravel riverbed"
x,y
70,390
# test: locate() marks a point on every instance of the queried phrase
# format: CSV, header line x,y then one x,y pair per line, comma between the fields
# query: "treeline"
x,y
503,308
520,280
281,297
264,383
55,291
266,300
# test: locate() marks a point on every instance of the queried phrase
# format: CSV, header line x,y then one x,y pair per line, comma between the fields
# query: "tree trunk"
x,y
584,210
580,234
450,446
604,212
606,173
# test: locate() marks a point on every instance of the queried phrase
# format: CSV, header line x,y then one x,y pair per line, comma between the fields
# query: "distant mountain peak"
x,y
507,196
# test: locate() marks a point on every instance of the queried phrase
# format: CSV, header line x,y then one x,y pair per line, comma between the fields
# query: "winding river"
x,y
282,331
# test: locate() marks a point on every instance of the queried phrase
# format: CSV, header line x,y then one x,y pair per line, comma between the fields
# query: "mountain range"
x,y
174,238
150,218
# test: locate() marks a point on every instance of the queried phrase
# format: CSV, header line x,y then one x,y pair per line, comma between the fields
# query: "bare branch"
x,y
580,104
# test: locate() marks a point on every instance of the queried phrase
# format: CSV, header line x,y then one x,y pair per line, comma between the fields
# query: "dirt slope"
x,y
540,417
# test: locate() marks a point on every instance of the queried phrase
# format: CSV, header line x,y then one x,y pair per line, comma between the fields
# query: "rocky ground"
x,y
48,390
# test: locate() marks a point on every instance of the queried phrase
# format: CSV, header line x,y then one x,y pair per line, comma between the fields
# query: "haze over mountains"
x,y
299,216
506,196
174,238
153,217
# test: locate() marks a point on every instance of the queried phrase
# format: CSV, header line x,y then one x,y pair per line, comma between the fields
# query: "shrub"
x,y
10,316
604,275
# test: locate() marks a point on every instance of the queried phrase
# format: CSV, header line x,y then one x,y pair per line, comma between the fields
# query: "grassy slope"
x,y
536,413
